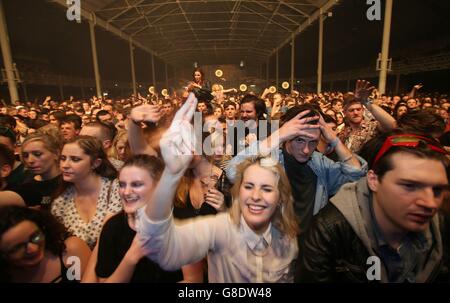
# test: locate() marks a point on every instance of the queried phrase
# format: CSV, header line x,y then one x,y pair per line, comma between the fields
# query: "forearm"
x,y
123,273
387,122
345,155
159,206
192,273
136,138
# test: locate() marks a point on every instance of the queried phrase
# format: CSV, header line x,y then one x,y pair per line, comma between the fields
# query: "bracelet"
x,y
332,145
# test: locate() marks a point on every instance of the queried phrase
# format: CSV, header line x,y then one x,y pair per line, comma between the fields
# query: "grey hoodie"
x,y
353,200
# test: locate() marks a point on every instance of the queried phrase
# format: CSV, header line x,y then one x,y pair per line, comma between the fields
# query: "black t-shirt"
x,y
303,182
115,240
189,211
38,193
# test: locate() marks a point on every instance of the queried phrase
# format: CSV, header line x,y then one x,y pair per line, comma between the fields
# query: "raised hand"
x,y
216,199
298,126
145,113
178,142
327,132
418,86
363,90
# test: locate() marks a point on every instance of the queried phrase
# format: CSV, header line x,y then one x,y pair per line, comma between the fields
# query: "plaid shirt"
x,y
355,139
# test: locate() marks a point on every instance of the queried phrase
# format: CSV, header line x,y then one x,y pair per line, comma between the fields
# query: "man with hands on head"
x,y
314,178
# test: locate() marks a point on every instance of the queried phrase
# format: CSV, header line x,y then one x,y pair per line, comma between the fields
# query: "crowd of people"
x,y
273,188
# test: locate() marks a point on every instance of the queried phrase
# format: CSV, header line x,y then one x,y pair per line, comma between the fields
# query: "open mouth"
x,y
256,208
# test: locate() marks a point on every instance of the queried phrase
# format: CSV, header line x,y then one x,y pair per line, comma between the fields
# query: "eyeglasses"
x,y
20,249
407,140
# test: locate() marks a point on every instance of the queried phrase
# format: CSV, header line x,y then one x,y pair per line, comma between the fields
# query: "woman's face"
x,y
136,188
401,111
121,148
23,244
74,163
39,160
198,77
339,119
218,112
258,197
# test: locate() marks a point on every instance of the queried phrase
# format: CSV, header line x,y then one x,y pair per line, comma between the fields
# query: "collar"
x,y
254,241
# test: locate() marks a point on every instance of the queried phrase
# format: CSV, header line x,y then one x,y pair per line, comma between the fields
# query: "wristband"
x,y
332,145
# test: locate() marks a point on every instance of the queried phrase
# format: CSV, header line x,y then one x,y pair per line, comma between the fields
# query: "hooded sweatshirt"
x,y
353,201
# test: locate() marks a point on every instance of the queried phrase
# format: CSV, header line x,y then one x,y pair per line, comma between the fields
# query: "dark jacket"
x,y
336,250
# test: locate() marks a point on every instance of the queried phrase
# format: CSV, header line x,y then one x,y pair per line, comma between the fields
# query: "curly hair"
x,y
55,232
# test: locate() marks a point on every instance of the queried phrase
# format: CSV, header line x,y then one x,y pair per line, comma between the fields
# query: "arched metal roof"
x,y
207,31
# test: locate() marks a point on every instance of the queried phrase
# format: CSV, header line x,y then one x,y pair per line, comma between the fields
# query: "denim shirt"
x,y
330,175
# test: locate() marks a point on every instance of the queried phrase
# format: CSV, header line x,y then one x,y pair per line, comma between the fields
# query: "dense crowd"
x,y
273,188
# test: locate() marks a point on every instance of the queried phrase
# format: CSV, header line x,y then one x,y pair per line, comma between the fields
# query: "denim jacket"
x,y
330,175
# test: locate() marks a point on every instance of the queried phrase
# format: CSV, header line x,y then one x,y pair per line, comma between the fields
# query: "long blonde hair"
x,y
284,218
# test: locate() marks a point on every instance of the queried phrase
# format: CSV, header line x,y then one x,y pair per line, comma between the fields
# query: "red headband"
x,y
408,140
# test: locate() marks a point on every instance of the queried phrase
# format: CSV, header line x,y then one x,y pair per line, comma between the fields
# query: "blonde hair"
x,y
121,135
284,218
51,143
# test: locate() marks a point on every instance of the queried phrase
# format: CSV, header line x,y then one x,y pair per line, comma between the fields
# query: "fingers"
x,y
192,101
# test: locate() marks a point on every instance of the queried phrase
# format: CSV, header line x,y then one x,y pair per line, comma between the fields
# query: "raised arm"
x,y
136,137
362,92
344,154
295,127
177,146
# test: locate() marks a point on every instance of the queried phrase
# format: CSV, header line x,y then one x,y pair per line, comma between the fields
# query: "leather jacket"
x,y
331,251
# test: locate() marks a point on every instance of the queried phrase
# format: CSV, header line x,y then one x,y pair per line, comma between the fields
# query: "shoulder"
x,y
114,222
76,247
11,198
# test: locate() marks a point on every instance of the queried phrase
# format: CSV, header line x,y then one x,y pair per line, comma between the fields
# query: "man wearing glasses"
x,y
386,227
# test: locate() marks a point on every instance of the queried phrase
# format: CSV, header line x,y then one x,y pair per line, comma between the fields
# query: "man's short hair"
x,y
423,121
6,156
384,164
102,112
294,111
8,121
72,118
229,103
8,133
350,99
107,131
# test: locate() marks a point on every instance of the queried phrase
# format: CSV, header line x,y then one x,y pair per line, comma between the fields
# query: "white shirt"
x,y
235,253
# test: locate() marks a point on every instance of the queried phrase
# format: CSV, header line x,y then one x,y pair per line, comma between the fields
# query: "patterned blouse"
x,y
64,209
355,139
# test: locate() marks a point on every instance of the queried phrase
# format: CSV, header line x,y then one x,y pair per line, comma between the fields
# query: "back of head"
x,y
423,121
